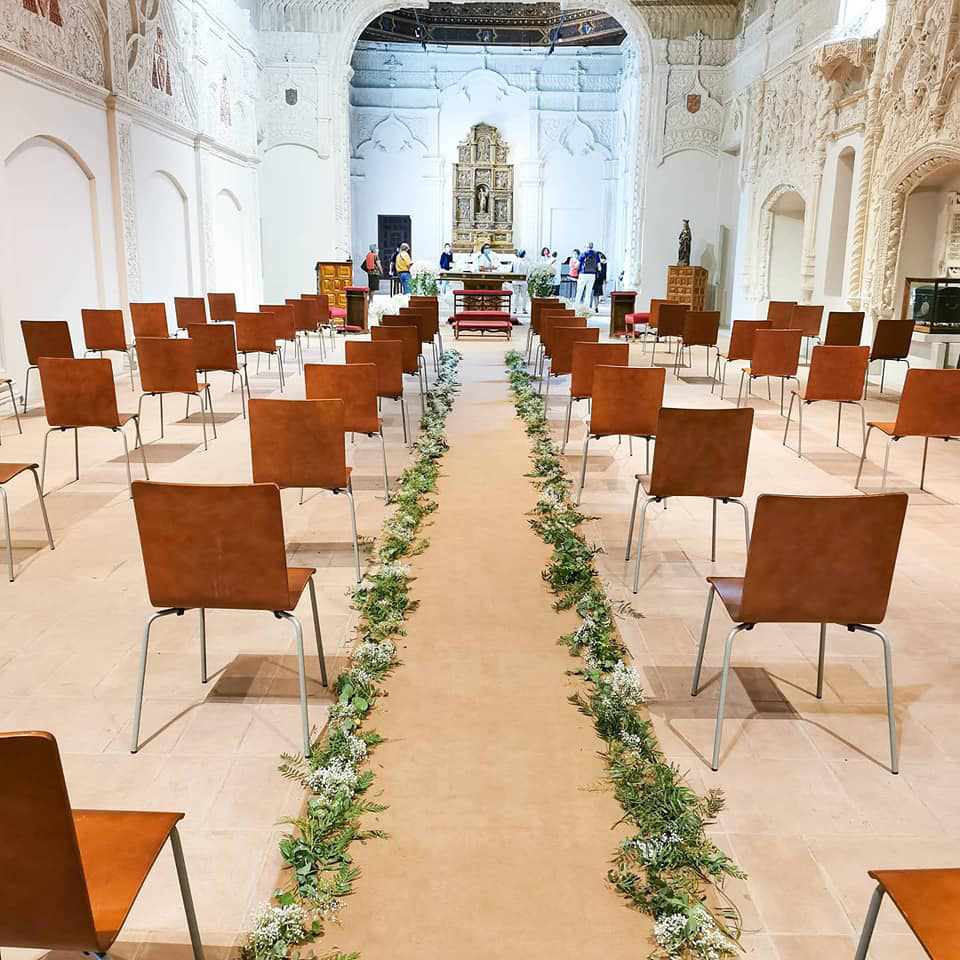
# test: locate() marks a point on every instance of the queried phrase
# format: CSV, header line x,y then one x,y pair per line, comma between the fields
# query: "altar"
x,y
480,280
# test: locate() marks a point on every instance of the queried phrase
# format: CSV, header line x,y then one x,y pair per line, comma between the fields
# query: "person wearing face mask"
x,y
485,261
446,265
404,262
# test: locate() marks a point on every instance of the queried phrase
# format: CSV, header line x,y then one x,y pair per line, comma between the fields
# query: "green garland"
x,y
669,867
317,850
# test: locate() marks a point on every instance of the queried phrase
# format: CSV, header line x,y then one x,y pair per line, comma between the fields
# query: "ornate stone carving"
x,y
483,192
128,209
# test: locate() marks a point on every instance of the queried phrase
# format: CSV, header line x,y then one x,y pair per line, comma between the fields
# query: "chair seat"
x,y
10,470
802,395
730,591
118,848
884,426
338,312
297,578
929,901
634,318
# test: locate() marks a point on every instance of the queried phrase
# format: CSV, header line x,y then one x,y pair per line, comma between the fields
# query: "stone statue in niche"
x,y
686,239
483,150
483,198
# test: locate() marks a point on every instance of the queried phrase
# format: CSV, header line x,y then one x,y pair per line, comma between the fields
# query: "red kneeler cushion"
x,y
338,312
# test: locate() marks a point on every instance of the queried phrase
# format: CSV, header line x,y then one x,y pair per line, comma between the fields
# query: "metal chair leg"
x,y
6,528
923,466
246,382
188,907
316,630
213,422
138,702
386,480
866,935
583,468
403,415
718,733
304,714
886,461
888,674
695,687
789,417
643,518
43,507
566,429
203,645
143,453
633,515
823,649
16,412
746,519
353,520
26,386
126,454
203,421
799,427
713,531
863,456
743,373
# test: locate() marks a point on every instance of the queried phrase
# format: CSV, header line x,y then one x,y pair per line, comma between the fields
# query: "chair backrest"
x,y
40,851
303,317
46,338
537,305
892,339
701,453
671,318
149,320
312,309
776,353
298,443
405,335
929,404
324,305
562,340
844,329
190,311
284,319
167,365
741,338
256,332
223,306
215,346
79,393
701,328
626,400
655,306
822,559
549,321
837,373
387,355
586,356
780,313
353,383
217,546
432,304
413,316
103,330
807,318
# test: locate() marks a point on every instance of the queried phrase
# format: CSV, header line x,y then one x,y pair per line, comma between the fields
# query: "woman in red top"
x,y
373,270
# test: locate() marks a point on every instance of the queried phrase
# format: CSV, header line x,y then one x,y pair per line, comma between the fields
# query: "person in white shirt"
x,y
521,296
485,259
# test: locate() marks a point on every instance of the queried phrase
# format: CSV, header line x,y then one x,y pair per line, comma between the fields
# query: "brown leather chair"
x,y
387,356
562,341
700,329
776,353
808,319
653,319
7,472
356,385
170,366
43,338
215,348
929,900
190,311
891,341
312,307
104,332
537,304
285,327
584,358
813,560
699,453
929,408
409,334
626,402
780,314
82,393
302,443
549,316
149,320
740,347
200,545
844,329
256,333
90,864
431,305
326,320
837,375
306,320
223,307
670,320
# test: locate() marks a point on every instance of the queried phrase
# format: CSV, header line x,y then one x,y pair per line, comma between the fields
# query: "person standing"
x,y
374,270
521,295
446,265
586,279
404,262
600,279
485,261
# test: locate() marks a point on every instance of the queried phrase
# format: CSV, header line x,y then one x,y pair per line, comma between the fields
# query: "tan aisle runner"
x,y
499,840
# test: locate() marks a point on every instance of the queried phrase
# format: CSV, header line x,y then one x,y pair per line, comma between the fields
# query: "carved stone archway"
x,y
765,236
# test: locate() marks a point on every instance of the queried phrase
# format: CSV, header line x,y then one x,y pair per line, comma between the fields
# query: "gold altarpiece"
x,y
483,192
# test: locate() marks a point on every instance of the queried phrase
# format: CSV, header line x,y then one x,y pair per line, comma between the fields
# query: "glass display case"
x,y
933,304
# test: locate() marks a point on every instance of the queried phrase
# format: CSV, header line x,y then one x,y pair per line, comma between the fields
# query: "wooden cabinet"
x,y
622,302
687,285
333,278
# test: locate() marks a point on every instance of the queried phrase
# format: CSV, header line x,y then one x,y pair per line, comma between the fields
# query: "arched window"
x,y
839,224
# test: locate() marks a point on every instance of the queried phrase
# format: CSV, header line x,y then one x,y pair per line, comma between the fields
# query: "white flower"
x,y
286,924
336,778
650,849
707,942
625,685
421,268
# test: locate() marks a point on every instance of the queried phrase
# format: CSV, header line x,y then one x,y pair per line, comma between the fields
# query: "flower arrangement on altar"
x,y
423,279
387,306
579,309
540,280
